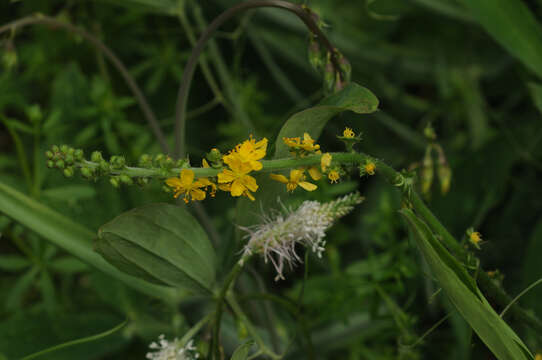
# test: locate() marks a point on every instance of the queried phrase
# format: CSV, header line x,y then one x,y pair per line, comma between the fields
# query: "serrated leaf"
x,y
353,97
473,306
161,243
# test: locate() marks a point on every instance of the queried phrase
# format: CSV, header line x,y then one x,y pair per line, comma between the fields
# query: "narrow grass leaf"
x,y
471,304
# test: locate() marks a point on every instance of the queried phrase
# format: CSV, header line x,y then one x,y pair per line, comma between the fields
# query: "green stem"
x,y
519,296
230,280
188,73
250,328
225,77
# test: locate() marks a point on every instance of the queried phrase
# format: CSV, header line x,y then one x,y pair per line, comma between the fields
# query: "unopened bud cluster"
x,y
69,160
276,238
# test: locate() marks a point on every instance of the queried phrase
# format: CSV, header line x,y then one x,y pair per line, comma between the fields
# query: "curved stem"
x,y
142,101
188,73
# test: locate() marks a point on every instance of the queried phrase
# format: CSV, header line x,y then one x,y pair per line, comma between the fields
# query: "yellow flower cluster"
x,y
246,157
234,179
241,161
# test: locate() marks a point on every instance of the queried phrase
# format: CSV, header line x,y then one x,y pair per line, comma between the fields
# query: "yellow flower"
x,y
297,177
325,161
370,168
348,133
294,142
475,237
333,176
249,151
186,185
235,179
308,143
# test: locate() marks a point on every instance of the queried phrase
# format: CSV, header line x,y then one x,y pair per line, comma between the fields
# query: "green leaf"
x,y
68,265
23,283
353,97
535,91
70,192
512,24
162,243
532,270
471,304
68,235
13,262
241,353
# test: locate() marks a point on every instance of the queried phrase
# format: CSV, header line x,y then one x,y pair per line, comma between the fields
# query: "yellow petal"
x,y
187,177
237,188
325,161
280,178
226,176
205,163
249,182
256,165
249,195
197,194
296,175
315,173
173,182
308,186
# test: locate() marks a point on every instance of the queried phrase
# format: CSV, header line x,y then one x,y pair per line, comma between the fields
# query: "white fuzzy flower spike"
x,y
278,235
172,350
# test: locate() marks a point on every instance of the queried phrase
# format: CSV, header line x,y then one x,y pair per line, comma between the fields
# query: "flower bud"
x,y
96,157
145,161
55,148
49,154
104,166
50,164
114,181
427,171
87,172
214,155
117,162
125,179
60,164
69,159
68,172
64,149
142,181
78,154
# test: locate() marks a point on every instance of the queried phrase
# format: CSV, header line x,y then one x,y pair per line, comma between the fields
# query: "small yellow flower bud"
x,y
348,133
333,176
370,168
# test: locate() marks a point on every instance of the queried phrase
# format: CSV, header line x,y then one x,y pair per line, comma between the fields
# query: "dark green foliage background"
x,y
370,296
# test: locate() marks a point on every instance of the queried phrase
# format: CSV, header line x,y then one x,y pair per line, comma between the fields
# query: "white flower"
x,y
278,235
172,350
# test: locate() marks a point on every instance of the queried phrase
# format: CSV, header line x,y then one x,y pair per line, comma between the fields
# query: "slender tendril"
x,y
78,341
188,73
